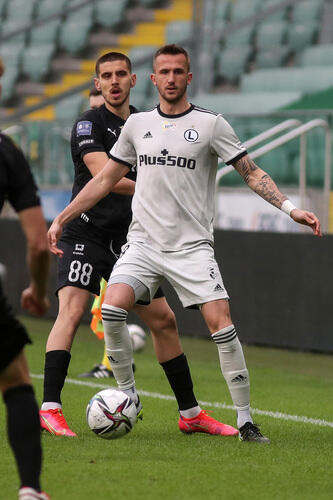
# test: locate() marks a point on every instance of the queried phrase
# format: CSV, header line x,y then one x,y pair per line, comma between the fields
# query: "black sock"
x,y
179,376
55,372
23,429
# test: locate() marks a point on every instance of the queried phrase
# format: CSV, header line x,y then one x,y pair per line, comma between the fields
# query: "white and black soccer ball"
x,y
111,414
138,337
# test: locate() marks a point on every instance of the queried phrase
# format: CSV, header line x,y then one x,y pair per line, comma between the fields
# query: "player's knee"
x,y
165,323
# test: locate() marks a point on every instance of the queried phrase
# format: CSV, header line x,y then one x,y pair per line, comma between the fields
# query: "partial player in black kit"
x,y
18,187
90,246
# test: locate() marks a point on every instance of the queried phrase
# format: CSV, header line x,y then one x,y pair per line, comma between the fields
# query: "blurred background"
x,y
266,65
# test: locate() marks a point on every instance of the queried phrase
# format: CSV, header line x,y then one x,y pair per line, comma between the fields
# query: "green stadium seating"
x,y
270,35
69,108
246,103
109,14
309,9
139,52
73,36
288,79
317,55
232,61
9,26
46,33
21,9
242,36
8,81
48,7
3,6
178,31
302,35
279,15
243,9
272,58
11,54
36,61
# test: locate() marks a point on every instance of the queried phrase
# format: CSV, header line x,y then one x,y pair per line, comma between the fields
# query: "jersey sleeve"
x,y
225,142
87,135
22,191
123,150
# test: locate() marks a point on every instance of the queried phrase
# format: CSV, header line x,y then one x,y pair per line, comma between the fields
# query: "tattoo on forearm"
x,y
263,185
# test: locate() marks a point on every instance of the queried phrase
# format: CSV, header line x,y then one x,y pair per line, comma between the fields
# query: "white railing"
x,y
300,131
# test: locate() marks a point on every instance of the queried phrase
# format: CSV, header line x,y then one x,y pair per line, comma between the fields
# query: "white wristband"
x,y
287,207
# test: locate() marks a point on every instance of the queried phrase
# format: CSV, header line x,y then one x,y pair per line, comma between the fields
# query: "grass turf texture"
x,y
157,461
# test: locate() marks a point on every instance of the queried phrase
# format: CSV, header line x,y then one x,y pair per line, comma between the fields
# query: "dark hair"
x,y
172,49
93,91
110,57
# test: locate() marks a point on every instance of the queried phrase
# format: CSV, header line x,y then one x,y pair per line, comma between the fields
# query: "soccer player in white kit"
x,y
176,147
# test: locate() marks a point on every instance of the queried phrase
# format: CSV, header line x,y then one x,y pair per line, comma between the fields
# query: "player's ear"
x,y
97,84
153,78
189,78
133,80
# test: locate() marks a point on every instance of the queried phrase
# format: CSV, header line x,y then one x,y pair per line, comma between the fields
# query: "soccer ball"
x,y
138,337
111,414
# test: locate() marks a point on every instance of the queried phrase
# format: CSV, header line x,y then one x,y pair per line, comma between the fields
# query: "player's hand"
x,y
37,306
308,219
53,236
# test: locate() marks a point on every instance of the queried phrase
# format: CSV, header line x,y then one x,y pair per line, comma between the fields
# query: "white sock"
x,y
190,412
118,345
50,405
234,369
132,393
243,416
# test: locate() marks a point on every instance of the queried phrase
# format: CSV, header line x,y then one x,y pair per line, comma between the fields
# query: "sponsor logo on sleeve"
x,y
83,128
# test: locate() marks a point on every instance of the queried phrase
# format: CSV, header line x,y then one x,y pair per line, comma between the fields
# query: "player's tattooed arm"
x,y
259,181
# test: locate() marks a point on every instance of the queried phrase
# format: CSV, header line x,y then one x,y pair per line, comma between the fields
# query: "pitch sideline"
x,y
255,411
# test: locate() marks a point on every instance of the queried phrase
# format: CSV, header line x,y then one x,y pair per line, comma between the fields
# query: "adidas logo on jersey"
x,y
218,287
148,135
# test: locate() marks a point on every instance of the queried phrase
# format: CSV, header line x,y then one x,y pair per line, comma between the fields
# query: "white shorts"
x,y
193,273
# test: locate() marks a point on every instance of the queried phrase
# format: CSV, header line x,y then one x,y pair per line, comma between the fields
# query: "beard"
x,y
176,97
117,103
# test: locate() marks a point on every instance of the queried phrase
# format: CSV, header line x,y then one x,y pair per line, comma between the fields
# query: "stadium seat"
x,y
246,103
302,35
232,61
243,9
21,9
178,31
288,79
272,58
8,81
109,14
142,51
240,37
309,9
3,8
271,35
278,15
36,61
11,54
46,33
317,55
48,7
72,39
69,108
10,26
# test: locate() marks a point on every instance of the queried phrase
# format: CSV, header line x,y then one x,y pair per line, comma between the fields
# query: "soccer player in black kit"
x,y
90,246
18,186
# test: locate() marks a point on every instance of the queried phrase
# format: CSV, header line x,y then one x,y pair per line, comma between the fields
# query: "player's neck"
x,y
121,111
174,108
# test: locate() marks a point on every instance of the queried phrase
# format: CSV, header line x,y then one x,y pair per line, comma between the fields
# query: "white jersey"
x,y
176,158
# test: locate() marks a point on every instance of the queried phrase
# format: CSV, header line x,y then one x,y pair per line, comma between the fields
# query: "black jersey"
x,y
98,130
16,181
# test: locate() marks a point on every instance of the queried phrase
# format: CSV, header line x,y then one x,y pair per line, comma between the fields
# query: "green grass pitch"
x,y
156,461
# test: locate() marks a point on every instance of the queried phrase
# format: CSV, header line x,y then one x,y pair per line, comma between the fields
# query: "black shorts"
x,y
84,263
13,335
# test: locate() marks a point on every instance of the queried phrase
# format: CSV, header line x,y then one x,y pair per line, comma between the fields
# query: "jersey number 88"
x,y
78,271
